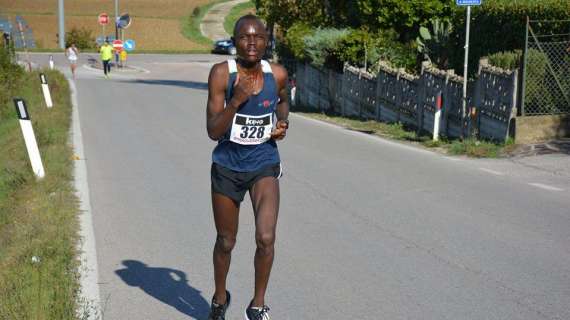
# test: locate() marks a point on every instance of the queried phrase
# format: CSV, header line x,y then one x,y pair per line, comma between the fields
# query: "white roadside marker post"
x,y
437,116
51,63
45,89
29,138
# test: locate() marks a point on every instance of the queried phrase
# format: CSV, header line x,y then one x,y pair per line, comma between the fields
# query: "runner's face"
x,y
251,41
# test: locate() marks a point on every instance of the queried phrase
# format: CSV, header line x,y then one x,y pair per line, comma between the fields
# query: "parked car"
x,y
225,46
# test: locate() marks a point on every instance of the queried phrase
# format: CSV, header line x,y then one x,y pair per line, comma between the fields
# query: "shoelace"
x,y
217,312
263,314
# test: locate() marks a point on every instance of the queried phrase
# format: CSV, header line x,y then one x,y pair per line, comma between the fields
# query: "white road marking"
x,y
497,173
89,301
545,187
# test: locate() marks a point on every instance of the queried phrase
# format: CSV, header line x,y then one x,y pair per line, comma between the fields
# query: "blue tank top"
x,y
247,145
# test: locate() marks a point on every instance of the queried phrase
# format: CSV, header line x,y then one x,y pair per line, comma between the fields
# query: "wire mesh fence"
x,y
547,73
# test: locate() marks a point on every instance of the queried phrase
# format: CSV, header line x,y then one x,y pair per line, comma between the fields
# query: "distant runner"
x,y
72,54
247,113
106,56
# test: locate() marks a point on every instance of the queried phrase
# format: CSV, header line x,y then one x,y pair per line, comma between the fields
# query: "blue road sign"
x,y
468,2
129,45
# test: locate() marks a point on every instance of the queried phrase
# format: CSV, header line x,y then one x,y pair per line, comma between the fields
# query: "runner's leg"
x,y
226,217
265,200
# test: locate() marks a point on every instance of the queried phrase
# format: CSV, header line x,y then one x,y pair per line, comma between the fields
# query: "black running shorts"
x,y
235,184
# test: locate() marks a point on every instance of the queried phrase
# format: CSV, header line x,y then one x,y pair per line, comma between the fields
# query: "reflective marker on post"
x,y
45,89
437,116
29,138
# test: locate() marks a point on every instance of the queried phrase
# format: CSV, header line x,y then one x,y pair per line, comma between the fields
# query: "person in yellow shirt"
x,y
106,51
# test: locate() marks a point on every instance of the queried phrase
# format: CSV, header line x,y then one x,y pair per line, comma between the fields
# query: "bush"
x,y
10,79
499,25
382,45
294,40
537,94
508,60
82,38
323,47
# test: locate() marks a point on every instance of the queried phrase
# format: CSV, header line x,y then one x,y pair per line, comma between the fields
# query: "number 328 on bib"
x,y
251,130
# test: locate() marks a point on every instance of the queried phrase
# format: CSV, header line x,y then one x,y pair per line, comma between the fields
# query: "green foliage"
x,y
323,47
38,217
11,76
405,17
436,45
316,13
537,92
508,60
383,45
294,39
499,25
82,38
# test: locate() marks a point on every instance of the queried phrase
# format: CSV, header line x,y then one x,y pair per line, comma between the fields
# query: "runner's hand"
x,y
280,130
243,88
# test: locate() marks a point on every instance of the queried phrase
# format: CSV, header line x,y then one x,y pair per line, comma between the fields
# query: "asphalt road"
x,y
368,229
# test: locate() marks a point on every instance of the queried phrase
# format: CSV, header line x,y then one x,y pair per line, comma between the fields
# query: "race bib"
x,y
251,130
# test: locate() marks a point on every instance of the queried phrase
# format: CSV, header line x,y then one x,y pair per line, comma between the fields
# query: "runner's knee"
x,y
225,243
265,240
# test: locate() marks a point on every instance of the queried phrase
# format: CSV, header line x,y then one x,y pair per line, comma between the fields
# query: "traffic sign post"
x,y
29,137
467,3
45,89
103,20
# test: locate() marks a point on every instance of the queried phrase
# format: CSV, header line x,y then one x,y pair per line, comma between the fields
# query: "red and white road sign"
x,y
103,19
118,45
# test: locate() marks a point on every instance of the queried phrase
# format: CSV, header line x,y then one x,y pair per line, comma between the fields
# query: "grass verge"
x,y
235,13
38,217
191,23
397,131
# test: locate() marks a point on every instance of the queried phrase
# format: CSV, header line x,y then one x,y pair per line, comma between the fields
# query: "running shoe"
x,y
253,313
218,311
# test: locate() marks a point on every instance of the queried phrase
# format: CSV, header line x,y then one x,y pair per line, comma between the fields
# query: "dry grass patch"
x,y
137,8
149,33
156,26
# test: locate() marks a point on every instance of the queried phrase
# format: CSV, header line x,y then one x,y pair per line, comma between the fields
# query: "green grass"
x,y
191,23
235,13
397,131
38,217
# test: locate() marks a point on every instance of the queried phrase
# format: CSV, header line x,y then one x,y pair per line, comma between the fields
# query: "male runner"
x,y
106,51
247,112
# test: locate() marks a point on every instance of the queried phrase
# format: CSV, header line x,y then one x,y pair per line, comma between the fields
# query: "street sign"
x,y
468,2
103,19
118,45
129,45
124,21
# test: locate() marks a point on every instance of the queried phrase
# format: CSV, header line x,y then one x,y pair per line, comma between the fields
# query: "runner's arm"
x,y
281,78
282,109
218,117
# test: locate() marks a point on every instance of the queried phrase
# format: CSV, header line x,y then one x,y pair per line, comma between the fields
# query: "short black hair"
x,y
247,17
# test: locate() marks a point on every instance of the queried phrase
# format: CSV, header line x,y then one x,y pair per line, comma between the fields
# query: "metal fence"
x,y
546,79
395,96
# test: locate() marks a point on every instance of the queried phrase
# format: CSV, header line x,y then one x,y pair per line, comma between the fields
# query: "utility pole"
x,y
116,18
61,25
116,28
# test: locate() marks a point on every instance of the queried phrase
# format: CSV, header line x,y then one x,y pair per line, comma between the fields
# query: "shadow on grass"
x,y
169,286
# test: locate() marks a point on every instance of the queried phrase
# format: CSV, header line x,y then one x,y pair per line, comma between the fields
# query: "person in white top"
x,y
72,54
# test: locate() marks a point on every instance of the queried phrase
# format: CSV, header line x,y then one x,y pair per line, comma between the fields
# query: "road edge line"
x,y
88,298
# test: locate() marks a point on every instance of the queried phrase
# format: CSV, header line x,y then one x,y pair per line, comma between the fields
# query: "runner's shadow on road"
x,y
167,285
177,83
